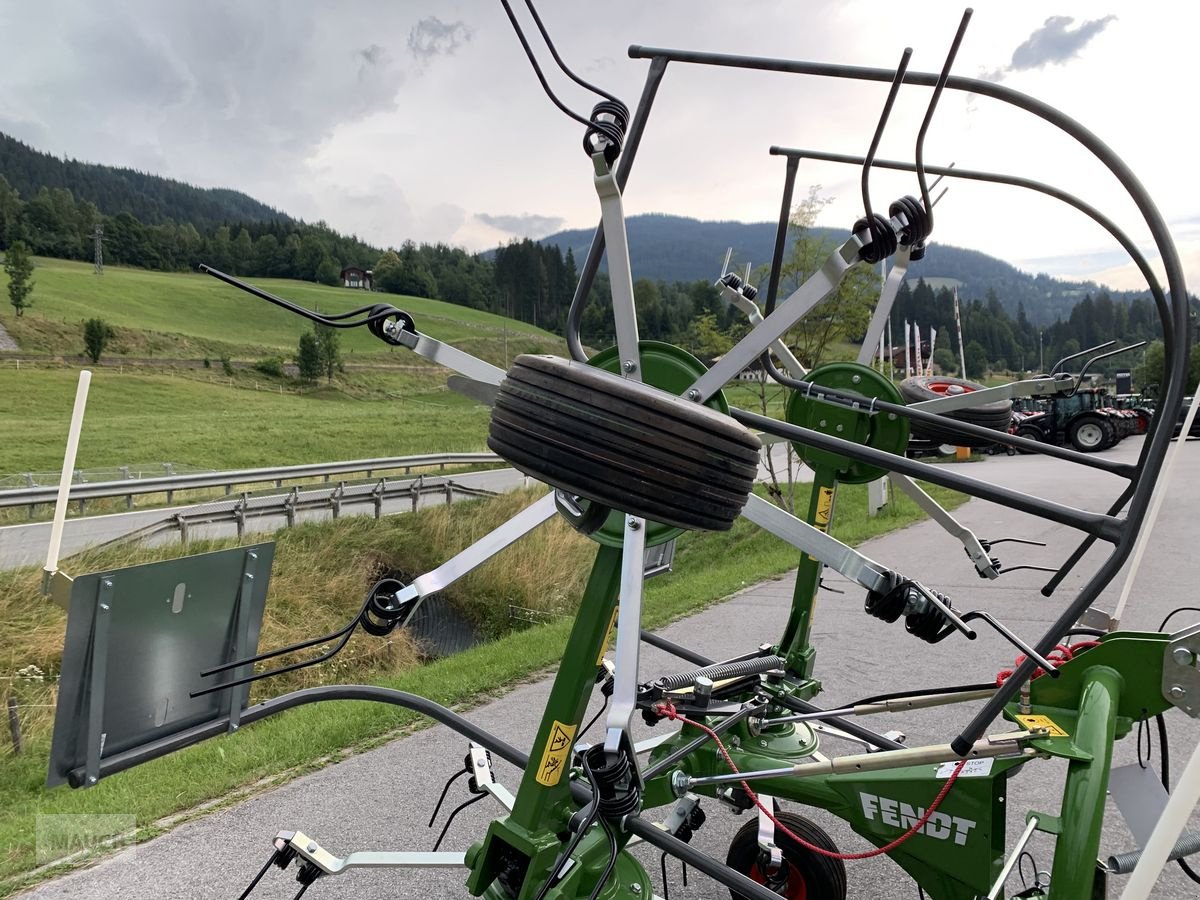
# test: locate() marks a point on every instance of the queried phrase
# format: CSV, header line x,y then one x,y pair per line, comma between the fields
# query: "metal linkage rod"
x,y
1105,527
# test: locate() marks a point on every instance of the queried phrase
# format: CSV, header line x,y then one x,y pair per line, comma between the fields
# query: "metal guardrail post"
x,y
449,492
377,497
335,499
183,528
240,512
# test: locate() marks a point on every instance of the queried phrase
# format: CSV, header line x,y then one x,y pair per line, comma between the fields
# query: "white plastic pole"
x,y
919,369
1166,832
932,342
962,356
1160,493
68,471
907,349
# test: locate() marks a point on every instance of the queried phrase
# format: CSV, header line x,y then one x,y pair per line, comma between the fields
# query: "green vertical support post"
x,y
1082,816
795,647
569,695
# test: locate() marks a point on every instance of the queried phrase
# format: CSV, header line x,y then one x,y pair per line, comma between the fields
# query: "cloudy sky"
x,y
424,121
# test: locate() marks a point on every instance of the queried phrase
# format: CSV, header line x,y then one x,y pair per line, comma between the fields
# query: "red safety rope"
x,y
668,710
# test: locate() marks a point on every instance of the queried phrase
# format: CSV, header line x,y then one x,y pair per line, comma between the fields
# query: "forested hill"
x,y
150,199
675,248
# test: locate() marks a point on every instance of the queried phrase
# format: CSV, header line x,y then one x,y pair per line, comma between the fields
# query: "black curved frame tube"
x,y
793,157
1158,438
1104,527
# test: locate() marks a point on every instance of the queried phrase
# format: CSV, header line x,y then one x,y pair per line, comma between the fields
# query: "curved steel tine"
x,y
291,648
880,125
933,102
1094,359
291,667
1012,638
938,180
1057,367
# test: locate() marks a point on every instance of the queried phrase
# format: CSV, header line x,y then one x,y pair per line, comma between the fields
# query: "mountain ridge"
x,y
667,247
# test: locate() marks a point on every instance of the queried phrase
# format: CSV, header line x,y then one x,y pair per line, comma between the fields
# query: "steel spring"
x,y
883,242
917,229
611,129
890,606
722,671
382,614
927,624
614,781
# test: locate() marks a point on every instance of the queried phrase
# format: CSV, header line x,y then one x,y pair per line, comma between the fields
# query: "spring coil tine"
x,y
879,126
933,102
562,65
612,130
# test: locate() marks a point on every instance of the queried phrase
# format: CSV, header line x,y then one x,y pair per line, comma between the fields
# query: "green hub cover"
x,y
881,431
671,369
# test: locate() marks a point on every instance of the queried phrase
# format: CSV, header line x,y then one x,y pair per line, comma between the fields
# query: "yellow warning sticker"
x,y
1046,722
612,624
824,508
554,757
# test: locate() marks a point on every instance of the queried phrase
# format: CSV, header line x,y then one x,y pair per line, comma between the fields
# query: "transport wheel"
x,y
623,444
804,875
996,415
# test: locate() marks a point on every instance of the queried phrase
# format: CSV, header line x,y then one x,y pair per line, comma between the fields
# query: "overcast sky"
x,y
424,121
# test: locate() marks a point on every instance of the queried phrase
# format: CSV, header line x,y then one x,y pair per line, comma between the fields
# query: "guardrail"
x,y
300,505
169,484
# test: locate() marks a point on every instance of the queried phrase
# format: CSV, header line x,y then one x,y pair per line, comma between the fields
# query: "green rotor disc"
x,y
881,431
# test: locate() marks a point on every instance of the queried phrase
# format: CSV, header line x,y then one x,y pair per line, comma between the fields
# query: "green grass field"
x,y
139,417
179,315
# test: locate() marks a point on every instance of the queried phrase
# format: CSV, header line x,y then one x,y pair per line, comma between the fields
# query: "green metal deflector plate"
x,y
881,431
671,369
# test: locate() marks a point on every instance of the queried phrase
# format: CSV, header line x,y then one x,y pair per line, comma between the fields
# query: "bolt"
x,y
762,743
693,394
821,424
629,365
680,782
1178,692
841,428
104,607
312,846
233,727
891,417
249,577
635,888
92,779
633,523
856,379
108,582
1183,656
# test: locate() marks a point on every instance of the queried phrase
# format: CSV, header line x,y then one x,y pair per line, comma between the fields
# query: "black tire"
x,y
622,444
1088,434
1029,431
820,877
996,415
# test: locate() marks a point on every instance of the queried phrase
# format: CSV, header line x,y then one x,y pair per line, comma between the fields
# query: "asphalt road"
x,y
382,799
25,545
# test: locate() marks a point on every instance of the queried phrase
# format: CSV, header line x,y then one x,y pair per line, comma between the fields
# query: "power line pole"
x,y
98,242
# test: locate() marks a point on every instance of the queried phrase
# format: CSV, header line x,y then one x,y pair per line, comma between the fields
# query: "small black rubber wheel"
x,y
996,415
1088,434
804,875
623,444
